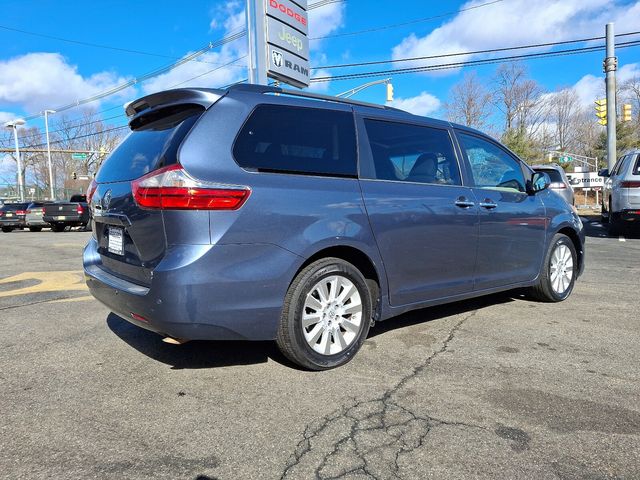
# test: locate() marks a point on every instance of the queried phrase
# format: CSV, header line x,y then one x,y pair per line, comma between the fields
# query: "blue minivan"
x,y
256,213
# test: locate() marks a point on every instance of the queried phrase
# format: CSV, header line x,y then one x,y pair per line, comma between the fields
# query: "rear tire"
x,y
55,227
326,315
35,229
559,270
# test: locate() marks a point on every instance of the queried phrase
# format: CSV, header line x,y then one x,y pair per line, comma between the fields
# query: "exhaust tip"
x,y
174,341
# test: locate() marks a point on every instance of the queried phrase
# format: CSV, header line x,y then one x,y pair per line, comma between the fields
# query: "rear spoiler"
x,y
167,98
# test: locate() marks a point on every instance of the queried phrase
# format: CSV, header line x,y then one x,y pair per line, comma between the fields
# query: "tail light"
x,y
80,209
172,188
91,189
630,184
21,212
28,211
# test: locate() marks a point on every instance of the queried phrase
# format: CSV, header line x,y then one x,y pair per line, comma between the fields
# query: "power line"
x,y
477,52
487,61
410,22
322,3
146,76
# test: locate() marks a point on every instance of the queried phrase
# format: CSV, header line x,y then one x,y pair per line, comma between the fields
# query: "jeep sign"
x,y
287,45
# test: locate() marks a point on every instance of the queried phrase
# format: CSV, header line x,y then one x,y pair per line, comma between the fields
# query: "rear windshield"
x,y
554,175
78,199
153,144
12,207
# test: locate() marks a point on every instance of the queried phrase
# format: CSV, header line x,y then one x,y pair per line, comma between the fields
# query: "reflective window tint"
x,y
287,139
412,153
491,166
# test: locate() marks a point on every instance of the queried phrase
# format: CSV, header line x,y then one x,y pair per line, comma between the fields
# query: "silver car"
x,y
621,193
34,217
559,181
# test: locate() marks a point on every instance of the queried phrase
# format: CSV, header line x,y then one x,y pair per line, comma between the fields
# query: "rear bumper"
x,y
202,292
13,223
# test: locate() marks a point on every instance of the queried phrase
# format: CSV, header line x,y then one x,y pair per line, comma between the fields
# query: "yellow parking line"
x,y
47,282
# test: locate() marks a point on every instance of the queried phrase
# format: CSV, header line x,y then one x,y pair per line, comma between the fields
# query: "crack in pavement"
x,y
367,438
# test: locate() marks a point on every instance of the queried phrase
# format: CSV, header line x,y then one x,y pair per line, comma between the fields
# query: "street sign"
x,y
285,41
584,180
79,156
566,159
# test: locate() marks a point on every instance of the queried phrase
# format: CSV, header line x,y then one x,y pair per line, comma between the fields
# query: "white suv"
x,y
621,194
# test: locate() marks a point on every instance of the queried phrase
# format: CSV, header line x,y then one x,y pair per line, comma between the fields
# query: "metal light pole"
x,y
14,125
46,128
610,67
255,37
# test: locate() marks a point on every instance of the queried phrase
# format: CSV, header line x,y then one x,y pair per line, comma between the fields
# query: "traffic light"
x,y
601,111
626,112
389,92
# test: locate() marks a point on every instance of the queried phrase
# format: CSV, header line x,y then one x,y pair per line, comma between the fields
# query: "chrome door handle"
x,y
462,203
488,204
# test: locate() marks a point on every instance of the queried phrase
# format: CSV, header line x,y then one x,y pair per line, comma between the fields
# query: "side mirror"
x,y
604,172
540,182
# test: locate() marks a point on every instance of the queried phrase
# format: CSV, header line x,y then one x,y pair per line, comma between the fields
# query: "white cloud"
x,y
423,104
36,81
325,20
518,22
590,87
7,116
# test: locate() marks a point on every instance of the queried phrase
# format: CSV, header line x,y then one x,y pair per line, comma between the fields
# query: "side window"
x,y
636,167
281,138
411,153
491,166
616,167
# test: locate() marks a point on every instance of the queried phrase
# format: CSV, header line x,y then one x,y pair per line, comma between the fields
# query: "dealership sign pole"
x,y
278,41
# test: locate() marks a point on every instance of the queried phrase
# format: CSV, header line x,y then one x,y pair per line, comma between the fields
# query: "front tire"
x,y
7,229
326,315
559,271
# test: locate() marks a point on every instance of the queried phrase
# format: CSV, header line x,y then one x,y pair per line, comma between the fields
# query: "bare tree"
x,y
469,102
564,115
631,91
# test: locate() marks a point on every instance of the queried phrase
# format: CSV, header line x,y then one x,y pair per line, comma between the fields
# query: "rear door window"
x,y
412,153
286,139
152,144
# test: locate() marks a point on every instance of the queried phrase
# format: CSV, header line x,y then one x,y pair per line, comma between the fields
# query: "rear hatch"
x,y
13,212
132,239
633,184
63,211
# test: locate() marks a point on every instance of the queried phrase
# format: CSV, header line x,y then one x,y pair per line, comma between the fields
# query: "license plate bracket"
x,y
116,240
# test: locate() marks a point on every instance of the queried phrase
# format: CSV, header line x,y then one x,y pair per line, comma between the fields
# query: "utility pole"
x,y
610,67
14,125
255,37
46,128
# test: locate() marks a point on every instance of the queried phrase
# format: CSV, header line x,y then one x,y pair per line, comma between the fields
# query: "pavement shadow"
x,y
195,354
430,314
215,354
593,227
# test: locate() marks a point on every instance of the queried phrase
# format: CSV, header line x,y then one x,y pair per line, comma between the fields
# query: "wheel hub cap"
x,y
561,269
332,315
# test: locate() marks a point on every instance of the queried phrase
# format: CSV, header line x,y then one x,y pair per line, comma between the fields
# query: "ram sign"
x,y
287,44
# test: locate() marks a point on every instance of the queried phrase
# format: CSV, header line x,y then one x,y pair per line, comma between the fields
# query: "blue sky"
x,y
38,73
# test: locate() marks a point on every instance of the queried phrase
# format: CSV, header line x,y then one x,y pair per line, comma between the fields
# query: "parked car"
x,y
621,193
34,220
12,216
258,213
74,213
559,181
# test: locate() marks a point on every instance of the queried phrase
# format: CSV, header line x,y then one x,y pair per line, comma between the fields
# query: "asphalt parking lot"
x,y
499,387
